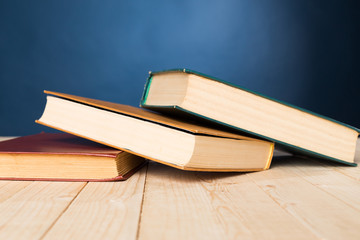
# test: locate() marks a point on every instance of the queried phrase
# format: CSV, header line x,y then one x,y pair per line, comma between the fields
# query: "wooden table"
x,y
295,199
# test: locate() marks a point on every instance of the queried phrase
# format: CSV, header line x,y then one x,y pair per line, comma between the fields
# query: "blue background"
x,y
304,52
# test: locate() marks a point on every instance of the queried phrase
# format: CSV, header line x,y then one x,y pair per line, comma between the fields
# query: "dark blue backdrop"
x,y
303,51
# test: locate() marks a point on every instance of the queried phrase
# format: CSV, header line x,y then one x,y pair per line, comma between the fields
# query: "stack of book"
x,y
187,120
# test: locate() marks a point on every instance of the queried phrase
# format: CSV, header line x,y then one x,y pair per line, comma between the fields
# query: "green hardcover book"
x,y
190,93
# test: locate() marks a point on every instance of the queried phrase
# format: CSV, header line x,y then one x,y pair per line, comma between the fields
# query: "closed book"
x,y
176,143
64,157
188,93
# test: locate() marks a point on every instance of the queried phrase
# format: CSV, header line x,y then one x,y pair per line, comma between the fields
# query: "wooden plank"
x,y
352,172
30,212
103,210
314,205
198,205
349,171
335,183
10,188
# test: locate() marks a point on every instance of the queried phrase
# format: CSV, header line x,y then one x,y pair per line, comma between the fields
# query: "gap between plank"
x,y
62,213
142,202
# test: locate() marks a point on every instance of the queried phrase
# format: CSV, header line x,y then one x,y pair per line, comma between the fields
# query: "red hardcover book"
x,y
64,157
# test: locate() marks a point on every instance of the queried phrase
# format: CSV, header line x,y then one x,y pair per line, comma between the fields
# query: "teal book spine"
x,y
289,147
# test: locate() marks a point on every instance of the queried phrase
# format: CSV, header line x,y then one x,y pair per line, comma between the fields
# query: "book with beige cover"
x,y
166,140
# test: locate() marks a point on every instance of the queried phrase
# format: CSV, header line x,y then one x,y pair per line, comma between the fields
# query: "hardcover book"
x,y
64,157
188,93
166,140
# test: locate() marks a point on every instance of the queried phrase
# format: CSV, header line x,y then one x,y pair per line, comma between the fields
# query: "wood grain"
x,y
191,205
295,199
103,210
10,188
312,197
353,172
339,185
28,213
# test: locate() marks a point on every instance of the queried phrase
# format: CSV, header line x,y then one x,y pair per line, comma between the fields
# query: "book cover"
x,y
180,111
149,116
154,136
54,153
